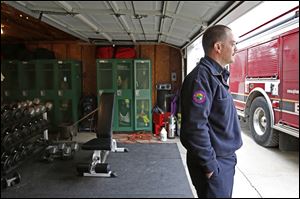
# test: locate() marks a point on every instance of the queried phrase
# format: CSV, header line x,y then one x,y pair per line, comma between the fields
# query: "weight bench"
x,y
104,143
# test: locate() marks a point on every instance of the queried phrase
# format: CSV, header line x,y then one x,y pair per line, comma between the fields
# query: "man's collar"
x,y
214,67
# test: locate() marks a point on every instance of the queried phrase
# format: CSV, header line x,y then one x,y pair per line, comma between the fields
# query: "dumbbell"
x,y
67,153
6,162
17,134
23,151
6,114
40,109
37,125
29,109
13,105
4,131
74,146
22,104
3,107
7,140
61,146
36,101
26,151
17,113
40,141
4,155
29,103
52,150
43,109
16,157
15,110
25,131
22,110
37,110
32,128
29,112
49,153
49,106
8,182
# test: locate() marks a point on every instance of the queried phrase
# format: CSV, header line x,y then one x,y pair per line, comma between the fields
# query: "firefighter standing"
x,y
210,129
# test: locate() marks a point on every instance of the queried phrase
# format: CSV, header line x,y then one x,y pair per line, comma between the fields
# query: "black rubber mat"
x,y
146,171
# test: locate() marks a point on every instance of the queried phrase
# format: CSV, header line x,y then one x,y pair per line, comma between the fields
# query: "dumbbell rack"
x,y
24,133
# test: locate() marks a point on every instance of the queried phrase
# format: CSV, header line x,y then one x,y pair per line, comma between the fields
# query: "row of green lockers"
x,y
60,82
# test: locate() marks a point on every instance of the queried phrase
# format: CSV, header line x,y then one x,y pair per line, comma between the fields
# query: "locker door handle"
x,y
24,93
43,93
60,93
137,93
119,92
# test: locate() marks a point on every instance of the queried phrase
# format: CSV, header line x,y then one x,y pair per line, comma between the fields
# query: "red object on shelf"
x,y
167,115
157,129
105,52
160,120
125,52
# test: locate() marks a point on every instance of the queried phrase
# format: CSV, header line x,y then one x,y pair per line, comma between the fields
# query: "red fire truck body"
x,y
264,82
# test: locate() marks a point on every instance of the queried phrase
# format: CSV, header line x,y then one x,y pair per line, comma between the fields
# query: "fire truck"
x,y
264,79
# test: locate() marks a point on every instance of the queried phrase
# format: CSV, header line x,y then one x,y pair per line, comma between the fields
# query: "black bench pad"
x,y
98,144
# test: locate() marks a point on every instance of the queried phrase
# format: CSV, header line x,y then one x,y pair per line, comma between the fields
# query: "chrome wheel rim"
x,y
260,121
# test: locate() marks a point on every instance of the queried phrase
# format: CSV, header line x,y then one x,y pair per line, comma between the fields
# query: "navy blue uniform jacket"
x,y
210,125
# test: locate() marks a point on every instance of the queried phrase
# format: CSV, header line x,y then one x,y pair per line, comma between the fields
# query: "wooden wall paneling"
x,y
31,46
137,49
162,64
74,51
60,50
175,66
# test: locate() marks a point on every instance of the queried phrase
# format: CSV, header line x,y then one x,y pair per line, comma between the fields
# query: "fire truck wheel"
x,y
260,124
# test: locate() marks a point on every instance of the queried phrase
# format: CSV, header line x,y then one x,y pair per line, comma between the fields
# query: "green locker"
x,y
45,79
50,80
60,82
123,119
142,95
105,76
11,85
106,80
47,90
28,80
130,80
116,75
69,88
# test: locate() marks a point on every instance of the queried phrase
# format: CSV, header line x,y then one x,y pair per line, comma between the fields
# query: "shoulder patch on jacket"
x,y
199,97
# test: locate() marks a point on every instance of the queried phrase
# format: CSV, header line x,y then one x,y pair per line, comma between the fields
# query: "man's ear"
x,y
218,47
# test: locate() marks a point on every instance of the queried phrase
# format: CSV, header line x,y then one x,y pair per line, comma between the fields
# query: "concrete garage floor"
x,y
265,172
260,172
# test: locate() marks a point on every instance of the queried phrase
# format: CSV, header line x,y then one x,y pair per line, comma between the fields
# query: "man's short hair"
x,y
212,35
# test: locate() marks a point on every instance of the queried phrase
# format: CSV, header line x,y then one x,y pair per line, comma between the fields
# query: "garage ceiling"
x,y
19,27
129,22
